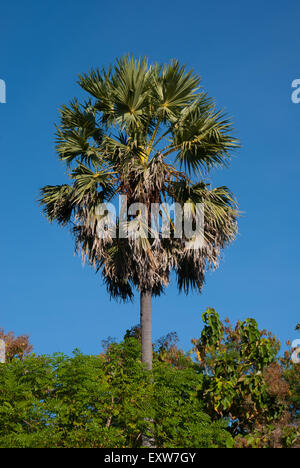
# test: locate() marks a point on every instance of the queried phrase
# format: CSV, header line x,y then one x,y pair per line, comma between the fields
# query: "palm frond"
x,y
174,88
57,202
88,181
202,137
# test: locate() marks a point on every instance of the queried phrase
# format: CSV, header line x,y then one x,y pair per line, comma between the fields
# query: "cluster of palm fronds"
x,y
148,133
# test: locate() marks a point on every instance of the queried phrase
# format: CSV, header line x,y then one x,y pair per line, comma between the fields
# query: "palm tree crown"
x,y
148,132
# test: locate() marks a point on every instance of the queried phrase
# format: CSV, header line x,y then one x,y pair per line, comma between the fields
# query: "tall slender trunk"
x,y
146,328
148,439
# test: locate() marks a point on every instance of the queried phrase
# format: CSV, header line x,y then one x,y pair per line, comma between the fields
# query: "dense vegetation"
x,y
231,390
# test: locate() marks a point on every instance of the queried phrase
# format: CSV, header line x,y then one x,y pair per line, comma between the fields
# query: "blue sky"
x,y
248,55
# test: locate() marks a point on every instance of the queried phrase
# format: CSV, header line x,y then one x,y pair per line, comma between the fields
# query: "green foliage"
x,y
179,415
292,376
234,361
271,436
102,401
236,393
50,402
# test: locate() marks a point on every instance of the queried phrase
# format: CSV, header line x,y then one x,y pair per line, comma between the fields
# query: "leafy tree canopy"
x,y
230,390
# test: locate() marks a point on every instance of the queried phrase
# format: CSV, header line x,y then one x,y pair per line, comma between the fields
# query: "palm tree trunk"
x,y
146,328
146,331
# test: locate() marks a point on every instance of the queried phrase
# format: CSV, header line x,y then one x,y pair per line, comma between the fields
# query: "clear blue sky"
x,y
247,54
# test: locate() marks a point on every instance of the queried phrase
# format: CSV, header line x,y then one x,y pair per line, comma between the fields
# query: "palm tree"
x,y
150,133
